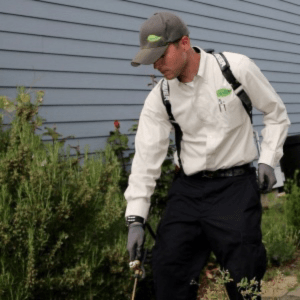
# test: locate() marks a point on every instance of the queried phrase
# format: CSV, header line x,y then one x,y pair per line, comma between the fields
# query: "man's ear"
x,y
185,42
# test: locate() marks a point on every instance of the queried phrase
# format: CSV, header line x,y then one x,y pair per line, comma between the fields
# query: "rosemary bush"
x,y
62,233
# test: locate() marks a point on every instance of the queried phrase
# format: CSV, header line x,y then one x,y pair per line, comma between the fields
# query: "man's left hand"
x,y
266,178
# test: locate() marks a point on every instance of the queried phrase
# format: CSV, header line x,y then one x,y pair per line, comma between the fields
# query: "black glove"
x,y
266,178
136,239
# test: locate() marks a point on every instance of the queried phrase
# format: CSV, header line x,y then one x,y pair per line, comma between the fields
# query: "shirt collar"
x,y
202,64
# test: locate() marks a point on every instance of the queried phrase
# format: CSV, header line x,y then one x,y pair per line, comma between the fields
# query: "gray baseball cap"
x,y
155,34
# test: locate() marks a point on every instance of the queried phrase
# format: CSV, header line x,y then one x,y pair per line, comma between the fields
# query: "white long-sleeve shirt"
x,y
217,131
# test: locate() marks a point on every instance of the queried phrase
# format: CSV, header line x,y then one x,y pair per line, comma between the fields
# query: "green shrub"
x,y
62,233
279,236
292,203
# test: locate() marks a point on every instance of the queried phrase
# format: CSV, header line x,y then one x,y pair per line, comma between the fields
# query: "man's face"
x,y
172,62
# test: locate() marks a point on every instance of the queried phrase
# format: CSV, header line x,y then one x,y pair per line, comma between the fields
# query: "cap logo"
x,y
223,93
153,38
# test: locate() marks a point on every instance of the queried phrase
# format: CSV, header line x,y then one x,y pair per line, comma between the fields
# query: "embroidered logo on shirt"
x,y
223,93
153,38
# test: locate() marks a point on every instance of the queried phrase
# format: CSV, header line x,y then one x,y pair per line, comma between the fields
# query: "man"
x,y
214,205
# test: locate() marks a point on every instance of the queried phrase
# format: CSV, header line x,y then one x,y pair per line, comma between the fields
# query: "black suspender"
x,y
225,68
227,73
178,132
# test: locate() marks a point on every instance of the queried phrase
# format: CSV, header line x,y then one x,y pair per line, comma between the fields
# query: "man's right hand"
x,y
136,239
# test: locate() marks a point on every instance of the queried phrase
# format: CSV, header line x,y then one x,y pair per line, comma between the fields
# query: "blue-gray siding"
x,y
79,53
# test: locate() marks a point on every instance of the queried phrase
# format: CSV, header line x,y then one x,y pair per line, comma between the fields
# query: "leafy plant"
x,y
280,237
292,203
119,144
62,227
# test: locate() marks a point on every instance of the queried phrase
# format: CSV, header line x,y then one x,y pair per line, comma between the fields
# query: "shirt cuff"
x,y
268,157
138,207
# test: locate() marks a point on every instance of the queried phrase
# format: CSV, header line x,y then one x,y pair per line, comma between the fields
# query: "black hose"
x,y
151,231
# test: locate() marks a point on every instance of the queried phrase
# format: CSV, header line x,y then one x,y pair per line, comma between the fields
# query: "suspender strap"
x,y
225,68
246,103
227,73
164,89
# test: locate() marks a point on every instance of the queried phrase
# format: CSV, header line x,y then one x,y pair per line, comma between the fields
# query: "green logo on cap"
x,y
223,93
153,38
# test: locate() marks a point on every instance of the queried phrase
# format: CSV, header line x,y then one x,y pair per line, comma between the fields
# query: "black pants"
x,y
222,215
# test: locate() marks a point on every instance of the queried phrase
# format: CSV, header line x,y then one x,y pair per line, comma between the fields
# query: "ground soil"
x,y
211,273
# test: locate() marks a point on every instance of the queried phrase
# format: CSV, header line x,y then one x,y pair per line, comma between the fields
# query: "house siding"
x,y
79,53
